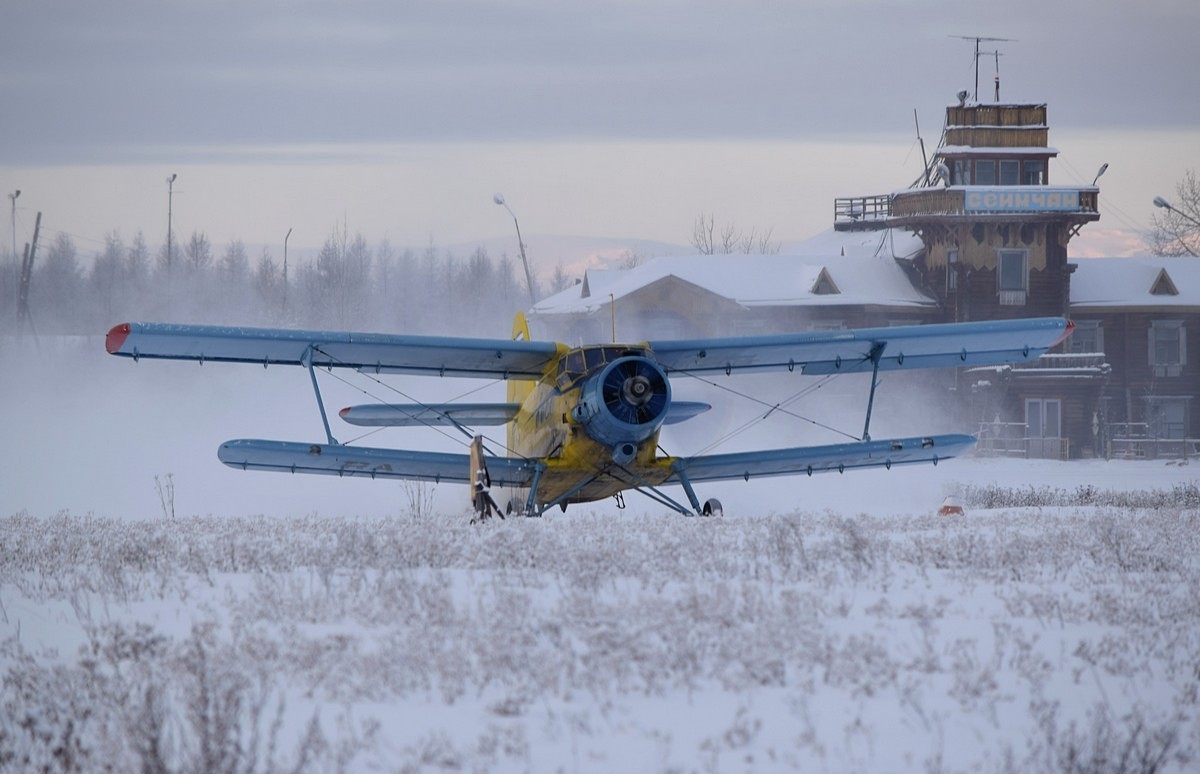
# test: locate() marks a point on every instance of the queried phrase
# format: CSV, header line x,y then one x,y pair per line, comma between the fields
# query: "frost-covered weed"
x,y
250,643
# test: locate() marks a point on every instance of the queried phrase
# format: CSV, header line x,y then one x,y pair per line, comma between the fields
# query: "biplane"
x,y
583,423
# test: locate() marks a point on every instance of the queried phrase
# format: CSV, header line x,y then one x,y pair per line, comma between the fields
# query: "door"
x,y
1043,428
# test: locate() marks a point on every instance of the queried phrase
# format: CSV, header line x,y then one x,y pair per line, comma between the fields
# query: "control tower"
x,y
994,227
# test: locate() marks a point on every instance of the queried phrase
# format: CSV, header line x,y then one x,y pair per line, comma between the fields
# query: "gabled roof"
x,y
1141,281
855,279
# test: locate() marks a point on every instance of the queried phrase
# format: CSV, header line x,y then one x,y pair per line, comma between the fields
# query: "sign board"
x,y
1028,199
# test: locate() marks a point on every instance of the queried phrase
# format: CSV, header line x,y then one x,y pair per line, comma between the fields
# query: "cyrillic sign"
x,y
1015,200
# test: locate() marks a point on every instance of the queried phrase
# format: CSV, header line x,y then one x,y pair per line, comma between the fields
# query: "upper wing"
x,y
436,355
826,352
819,459
291,457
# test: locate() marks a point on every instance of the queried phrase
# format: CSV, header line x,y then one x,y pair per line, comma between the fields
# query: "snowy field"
x,y
827,624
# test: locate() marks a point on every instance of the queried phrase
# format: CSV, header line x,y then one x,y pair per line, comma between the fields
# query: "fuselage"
x,y
594,419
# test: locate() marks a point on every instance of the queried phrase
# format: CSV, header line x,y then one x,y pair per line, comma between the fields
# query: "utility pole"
x,y
23,314
13,196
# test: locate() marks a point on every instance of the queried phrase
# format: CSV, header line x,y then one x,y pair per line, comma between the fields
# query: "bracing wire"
x,y
781,407
423,404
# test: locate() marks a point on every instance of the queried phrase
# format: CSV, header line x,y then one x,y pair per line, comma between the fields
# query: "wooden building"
x,y
983,235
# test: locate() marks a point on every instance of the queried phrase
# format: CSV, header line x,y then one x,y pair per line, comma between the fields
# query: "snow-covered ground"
x,y
826,624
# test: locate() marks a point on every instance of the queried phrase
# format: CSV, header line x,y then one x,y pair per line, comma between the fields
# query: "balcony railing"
x,y
902,207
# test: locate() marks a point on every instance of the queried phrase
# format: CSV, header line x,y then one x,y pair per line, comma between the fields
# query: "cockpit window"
x,y
580,362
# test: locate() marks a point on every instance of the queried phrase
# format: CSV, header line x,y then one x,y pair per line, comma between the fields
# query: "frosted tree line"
x,y
350,284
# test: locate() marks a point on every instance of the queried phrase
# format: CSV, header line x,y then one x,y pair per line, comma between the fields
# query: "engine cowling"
x,y
624,404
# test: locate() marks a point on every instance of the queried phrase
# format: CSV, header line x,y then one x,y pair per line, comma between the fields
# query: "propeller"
x,y
635,391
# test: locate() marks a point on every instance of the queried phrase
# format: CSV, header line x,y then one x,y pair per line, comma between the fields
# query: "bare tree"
x,y
730,239
1176,230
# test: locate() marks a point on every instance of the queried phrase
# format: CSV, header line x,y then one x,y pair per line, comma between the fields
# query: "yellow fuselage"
x,y
545,429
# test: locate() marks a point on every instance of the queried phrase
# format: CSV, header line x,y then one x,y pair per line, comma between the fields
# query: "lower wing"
x,y
819,459
365,461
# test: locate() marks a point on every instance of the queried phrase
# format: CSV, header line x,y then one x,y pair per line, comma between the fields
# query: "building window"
x,y
1167,417
1168,347
962,172
1088,337
951,270
1034,173
1012,276
1010,172
985,172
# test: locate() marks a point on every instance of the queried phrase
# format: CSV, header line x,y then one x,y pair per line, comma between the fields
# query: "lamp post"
x,y
1166,205
499,199
13,196
285,240
170,206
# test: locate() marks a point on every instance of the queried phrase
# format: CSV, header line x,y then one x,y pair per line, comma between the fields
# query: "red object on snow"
x,y
951,506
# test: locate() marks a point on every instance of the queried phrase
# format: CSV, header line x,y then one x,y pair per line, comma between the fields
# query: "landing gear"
x,y
481,494
712,507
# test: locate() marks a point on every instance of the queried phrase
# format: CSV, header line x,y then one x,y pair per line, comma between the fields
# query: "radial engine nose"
x,y
624,403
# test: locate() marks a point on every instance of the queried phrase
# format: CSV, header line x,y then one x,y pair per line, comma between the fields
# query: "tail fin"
x,y
518,389
520,329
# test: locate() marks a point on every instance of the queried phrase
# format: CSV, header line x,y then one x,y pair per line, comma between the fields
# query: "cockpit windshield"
x,y
578,363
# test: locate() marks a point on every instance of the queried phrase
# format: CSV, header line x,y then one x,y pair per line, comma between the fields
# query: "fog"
x,y
92,433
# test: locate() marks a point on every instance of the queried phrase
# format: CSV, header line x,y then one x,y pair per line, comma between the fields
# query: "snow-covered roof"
x,y
972,150
863,276
1141,281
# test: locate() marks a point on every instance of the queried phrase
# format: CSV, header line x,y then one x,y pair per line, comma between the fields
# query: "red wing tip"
x,y
116,338
344,411
1066,332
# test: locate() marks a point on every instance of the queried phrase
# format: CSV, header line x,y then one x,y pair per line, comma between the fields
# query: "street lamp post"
x,y
285,241
170,207
1166,205
499,199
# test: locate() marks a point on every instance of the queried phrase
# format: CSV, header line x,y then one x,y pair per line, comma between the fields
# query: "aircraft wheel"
x,y
508,510
712,507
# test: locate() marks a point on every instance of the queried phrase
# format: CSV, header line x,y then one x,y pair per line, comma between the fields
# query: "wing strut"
x,y
681,472
563,497
876,354
646,489
307,362
539,468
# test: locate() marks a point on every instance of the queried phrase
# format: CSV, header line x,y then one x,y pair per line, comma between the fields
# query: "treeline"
x,y
350,284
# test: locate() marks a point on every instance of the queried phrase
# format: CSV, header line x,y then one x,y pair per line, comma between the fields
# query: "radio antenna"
x,y
979,39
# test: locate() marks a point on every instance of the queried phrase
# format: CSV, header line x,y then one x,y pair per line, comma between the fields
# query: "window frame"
x,y
1087,329
1012,296
1009,172
1157,340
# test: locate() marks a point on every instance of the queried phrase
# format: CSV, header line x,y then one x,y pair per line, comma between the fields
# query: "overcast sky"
x,y
616,119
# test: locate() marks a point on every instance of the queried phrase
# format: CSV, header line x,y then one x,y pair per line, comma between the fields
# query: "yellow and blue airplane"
x,y
583,423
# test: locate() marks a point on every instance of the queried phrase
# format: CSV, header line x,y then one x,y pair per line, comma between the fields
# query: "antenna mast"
x,y
979,39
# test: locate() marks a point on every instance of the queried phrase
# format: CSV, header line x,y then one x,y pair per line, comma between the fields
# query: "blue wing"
x,y
290,457
848,351
820,459
430,355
